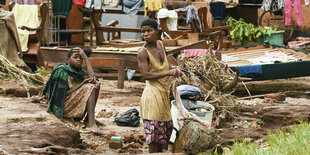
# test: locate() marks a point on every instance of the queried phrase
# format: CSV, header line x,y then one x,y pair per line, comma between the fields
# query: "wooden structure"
x,y
33,56
288,67
207,32
112,60
110,27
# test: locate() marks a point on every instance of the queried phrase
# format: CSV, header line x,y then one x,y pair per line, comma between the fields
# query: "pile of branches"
x,y
216,82
9,70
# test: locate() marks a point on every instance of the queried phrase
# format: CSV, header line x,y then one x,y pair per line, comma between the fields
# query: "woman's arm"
x,y
144,69
89,68
73,89
70,91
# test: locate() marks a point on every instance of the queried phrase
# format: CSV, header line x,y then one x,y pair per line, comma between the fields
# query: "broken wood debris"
x,y
11,70
215,81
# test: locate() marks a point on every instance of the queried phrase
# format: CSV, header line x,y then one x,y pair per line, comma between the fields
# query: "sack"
x,y
129,118
189,92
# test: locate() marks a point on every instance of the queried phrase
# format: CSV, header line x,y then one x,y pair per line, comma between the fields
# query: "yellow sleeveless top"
x,y
155,102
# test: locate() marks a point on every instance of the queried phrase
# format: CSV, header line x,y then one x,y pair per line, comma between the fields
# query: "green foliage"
x,y
9,78
42,71
242,31
295,142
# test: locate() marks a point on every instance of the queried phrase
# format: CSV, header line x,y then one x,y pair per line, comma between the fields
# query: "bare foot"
x,y
95,130
99,123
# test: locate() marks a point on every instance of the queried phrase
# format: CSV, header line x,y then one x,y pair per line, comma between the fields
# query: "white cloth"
x,y
228,58
25,15
271,57
94,4
112,3
172,20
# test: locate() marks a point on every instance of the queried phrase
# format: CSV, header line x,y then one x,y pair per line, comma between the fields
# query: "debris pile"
x,y
215,80
9,70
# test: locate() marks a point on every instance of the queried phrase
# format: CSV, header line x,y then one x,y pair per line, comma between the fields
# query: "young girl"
x,y
155,103
72,92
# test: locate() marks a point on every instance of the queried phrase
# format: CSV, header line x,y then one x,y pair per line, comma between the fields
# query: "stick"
x,y
167,35
246,88
251,97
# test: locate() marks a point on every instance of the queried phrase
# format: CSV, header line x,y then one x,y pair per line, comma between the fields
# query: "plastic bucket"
x,y
276,38
202,113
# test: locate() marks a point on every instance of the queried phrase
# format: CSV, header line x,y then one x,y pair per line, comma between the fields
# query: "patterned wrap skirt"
x,y
75,103
158,132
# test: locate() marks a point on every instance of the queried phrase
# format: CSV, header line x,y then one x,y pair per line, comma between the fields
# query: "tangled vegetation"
x,y
10,71
215,81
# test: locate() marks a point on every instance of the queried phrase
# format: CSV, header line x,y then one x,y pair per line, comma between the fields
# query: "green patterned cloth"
x,y
57,86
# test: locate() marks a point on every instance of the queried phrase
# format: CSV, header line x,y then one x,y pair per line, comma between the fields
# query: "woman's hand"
x,y
175,72
90,80
80,51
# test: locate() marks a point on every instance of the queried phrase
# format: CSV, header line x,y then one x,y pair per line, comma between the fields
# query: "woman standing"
x,y
155,103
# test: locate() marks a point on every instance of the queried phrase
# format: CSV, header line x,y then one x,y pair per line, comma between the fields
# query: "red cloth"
x,y
195,52
80,2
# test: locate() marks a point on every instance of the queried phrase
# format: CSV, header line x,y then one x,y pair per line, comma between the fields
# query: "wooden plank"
x,y
97,62
116,29
198,45
115,11
172,60
113,75
121,75
248,51
243,49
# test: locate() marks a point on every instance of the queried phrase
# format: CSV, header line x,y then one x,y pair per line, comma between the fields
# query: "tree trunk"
x,y
194,138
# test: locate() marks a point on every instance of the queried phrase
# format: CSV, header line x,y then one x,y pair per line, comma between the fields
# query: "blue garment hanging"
x,y
217,9
191,14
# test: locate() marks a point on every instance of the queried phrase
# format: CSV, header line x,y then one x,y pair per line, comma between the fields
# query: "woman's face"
x,y
149,34
76,60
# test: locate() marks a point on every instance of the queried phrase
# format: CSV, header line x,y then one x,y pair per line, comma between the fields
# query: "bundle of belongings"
x,y
301,43
129,118
189,92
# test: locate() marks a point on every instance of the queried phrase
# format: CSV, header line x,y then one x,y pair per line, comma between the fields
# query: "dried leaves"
x,y
214,79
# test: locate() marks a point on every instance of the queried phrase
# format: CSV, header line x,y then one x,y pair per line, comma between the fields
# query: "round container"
x,y
204,114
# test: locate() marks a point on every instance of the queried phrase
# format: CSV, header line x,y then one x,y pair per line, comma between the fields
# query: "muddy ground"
x,y
25,127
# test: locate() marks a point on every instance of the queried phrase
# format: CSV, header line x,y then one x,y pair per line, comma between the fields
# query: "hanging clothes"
x,y
217,9
79,2
267,5
297,9
28,2
61,7
112,3
25,15
94,4
152,5
191,14
131,7
172,18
